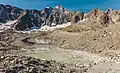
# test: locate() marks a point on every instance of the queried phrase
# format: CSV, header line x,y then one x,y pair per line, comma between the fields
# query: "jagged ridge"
x,y
35,19
32,19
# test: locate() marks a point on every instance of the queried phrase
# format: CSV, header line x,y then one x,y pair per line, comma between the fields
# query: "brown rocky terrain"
x,y
92,42
92,37
22,64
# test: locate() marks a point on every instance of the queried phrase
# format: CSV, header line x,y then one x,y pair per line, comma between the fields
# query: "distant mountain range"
x,y
22,19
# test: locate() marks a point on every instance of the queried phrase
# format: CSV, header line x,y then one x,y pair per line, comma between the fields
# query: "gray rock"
x,y
32,65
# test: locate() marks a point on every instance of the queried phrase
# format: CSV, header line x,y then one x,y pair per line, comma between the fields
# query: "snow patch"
x,y
47,7
81,21
53,24
7,25
57,7
48,28
10,23
66,12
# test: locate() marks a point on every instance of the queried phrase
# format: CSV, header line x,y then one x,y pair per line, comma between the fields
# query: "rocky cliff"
x,y
34,19
22,19
114,14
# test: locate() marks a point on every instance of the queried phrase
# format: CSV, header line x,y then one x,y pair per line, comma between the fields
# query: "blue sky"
x,y
78,5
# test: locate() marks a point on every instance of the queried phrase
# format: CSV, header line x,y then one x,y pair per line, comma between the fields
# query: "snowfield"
x,y
6,25
35,29
47,28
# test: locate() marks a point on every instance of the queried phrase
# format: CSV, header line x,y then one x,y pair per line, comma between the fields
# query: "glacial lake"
x,y
47,52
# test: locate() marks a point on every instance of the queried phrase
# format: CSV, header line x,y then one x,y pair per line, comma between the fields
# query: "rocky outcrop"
x,y
105,20
59,15
35,19
27,21
99,16
114,14
77,16
94,14
8,13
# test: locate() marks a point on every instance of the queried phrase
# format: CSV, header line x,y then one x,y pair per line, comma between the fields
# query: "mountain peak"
x,y
60,9
109,10
31,19
58,6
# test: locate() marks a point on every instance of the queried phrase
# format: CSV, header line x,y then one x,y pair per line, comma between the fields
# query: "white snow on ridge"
x,y
53,24
47,28
57,7
35,29
47,7
81,21
10,23
6,25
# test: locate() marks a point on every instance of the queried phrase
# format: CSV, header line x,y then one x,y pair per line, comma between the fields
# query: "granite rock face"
x,y
35,19
77,16
105,19
27,21
94,14
100,16
114,14
8,13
